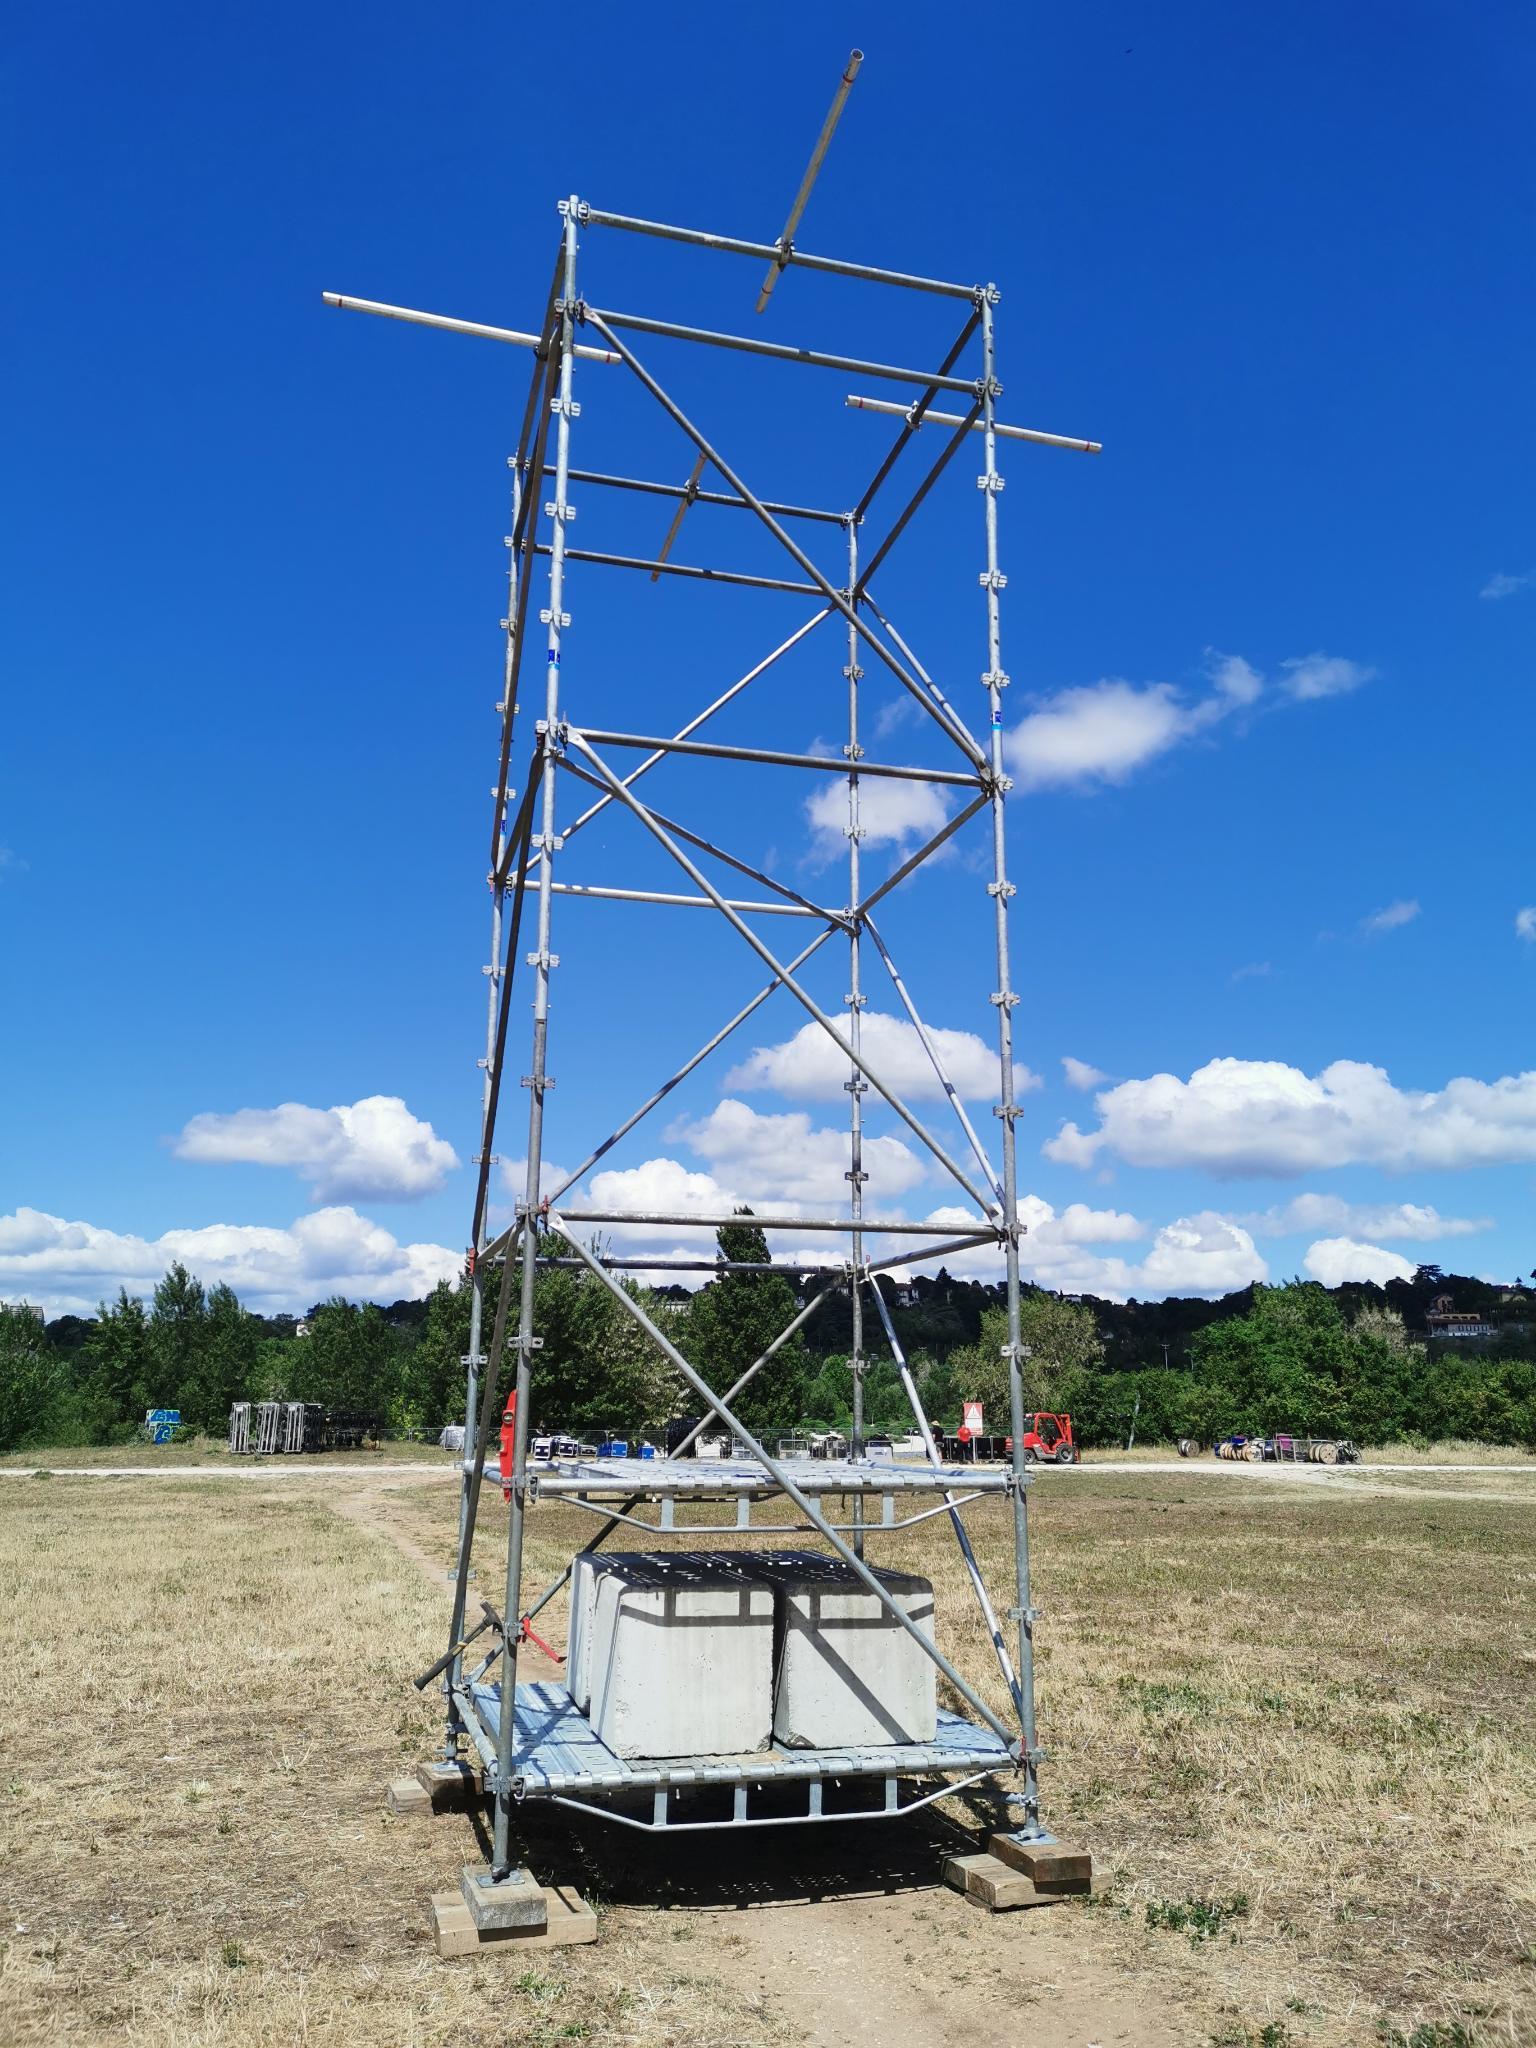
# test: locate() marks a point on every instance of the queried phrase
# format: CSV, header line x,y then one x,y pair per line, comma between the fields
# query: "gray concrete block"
x,y
517,1901
846,1673
578,1680
679,1655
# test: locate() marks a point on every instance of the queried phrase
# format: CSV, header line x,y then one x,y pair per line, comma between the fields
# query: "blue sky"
x,y
1270,654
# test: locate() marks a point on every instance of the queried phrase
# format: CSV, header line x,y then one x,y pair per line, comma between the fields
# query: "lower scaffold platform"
x,y
559,1757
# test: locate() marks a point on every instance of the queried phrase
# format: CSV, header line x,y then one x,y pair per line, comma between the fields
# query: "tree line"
x,y
1301,1357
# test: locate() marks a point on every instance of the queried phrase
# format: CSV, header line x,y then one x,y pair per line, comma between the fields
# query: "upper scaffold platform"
x,y
746,1479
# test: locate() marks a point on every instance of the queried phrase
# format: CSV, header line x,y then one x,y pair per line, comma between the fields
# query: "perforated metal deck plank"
x,y
744,1478
558,1751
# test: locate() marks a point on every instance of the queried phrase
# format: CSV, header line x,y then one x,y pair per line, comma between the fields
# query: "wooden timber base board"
x,y
1013,1874
571,1919
435,1788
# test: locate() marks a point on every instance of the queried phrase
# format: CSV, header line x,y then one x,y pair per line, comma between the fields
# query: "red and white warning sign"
x,y
970,1423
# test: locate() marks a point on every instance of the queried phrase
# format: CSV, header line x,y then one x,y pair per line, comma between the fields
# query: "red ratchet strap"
x,y
528,1635
508,1439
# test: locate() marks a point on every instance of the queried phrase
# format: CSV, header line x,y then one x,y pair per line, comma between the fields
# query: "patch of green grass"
x,y
1200,1919
1432,2034
1156,1696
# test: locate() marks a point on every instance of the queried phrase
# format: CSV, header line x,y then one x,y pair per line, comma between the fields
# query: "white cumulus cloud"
x,y
1392,916
370,1150
810,1067
1525,924
1098,732
1407,1222
1236,1116
1323,675
1080,1075
891,813
1205,1254
660,1187
785,1158
69,1267
1333,1260
1103,732
1502,585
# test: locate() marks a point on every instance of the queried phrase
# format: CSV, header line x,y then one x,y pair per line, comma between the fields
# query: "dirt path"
x,y
840,1972
370,1510
1342,1477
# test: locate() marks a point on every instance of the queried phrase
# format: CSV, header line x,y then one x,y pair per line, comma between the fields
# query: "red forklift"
x,y
1047,1438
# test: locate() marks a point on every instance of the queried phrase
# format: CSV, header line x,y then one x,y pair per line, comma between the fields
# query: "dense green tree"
x,y
1065,1351
731,1322
433,1373
348,1360
1294,1363
596,1369
31,1379
225,1370
178,1330
118,1366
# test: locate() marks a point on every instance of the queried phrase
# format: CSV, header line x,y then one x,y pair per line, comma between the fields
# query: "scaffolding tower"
x,y
542,1749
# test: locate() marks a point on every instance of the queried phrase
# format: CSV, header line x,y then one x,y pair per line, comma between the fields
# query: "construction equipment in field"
x,y
1047,1439
1283,1449
275,1429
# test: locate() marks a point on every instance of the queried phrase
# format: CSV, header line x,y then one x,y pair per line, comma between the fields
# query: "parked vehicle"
x,y
1048,1439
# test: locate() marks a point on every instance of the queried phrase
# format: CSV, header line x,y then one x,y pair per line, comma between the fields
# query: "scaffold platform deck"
x,y
746,1479
558,1755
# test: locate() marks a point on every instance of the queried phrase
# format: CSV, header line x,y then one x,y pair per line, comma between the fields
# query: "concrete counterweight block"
x,y
847,1674
678,1659
578,1677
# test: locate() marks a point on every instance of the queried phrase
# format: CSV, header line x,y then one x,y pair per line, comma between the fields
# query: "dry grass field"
x,y
1296,1727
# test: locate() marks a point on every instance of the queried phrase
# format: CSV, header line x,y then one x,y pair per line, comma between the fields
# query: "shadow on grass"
x,y
730,1869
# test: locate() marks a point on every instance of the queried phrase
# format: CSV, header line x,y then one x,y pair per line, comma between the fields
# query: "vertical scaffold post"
x,y
541,962
856,1085
1001,891
475,1359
